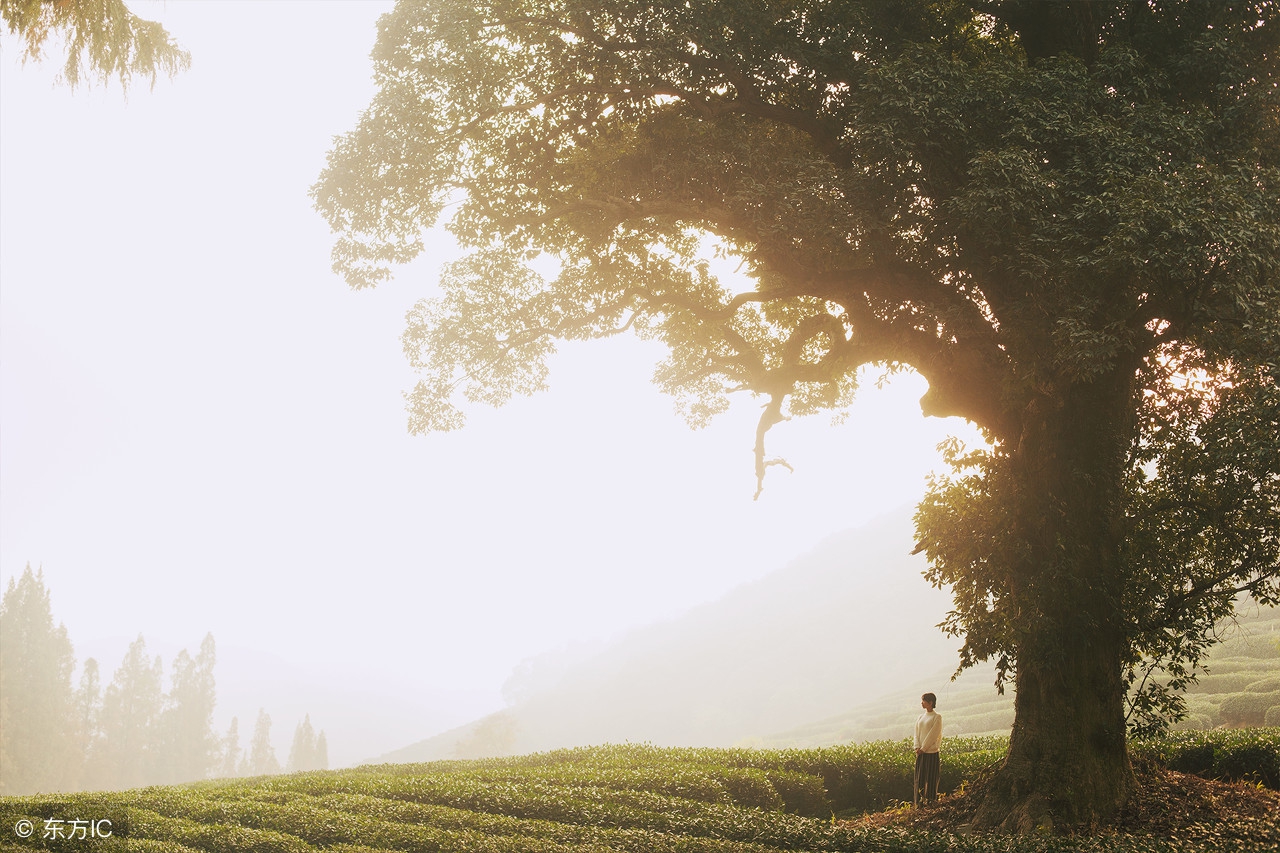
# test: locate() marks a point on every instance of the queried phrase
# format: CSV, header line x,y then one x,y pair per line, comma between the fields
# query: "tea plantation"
x,y
633,798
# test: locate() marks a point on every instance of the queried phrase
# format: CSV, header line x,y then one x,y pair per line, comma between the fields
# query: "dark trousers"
x,y
927,772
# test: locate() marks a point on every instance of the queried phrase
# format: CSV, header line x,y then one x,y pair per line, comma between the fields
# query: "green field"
x,y
632,798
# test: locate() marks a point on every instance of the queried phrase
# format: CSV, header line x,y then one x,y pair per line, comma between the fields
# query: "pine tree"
x,y
89,723
322,752
37,717
131,709
229,755
4,748
304,738
189,742
305,752
261,760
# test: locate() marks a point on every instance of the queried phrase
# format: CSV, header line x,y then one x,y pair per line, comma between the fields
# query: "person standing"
x,y
928,741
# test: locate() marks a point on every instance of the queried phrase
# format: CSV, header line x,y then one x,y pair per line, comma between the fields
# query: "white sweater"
x,y
929,731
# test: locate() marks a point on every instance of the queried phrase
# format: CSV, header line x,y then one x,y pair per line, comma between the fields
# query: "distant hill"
x,y
969,705
1240,686
851,621
834,648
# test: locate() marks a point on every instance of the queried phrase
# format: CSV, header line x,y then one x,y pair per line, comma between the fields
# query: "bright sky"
x,y
203,430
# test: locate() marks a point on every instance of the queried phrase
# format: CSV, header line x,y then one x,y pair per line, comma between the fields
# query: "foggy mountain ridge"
x,y
848,623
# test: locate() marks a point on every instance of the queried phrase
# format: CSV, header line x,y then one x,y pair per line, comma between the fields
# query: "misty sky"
x,y
202,428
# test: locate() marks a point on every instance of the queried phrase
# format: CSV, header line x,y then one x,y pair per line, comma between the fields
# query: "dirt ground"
x,y
1166,804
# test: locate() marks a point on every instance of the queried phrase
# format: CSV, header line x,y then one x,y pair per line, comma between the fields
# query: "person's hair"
x,y
931,699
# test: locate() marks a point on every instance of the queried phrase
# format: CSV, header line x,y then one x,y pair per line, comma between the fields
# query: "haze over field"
x,y
838,627
203,428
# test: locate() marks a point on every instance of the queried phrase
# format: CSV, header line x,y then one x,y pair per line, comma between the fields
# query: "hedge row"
x,y
841,779
1231,755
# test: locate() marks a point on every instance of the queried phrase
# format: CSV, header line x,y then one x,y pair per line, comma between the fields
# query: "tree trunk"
x,y
1068,766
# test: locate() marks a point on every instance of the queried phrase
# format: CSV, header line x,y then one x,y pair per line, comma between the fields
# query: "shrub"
x,y
1194,722
749,787
1250,762
1259,646
1234,755
1247,709
801,793
990,721
1265,685
1226,682
1229,665
966,766
1196,759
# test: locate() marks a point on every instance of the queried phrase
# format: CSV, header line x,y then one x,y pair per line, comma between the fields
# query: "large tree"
x,y
1063,215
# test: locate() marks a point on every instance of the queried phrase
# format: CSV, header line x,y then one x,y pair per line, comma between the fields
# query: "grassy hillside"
x,y
637,799
1240,688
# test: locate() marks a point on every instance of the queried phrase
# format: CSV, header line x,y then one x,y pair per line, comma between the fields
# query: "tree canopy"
x,y
1063,215
102,38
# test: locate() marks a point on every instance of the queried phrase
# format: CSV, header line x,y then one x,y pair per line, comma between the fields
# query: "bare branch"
x,y
771,415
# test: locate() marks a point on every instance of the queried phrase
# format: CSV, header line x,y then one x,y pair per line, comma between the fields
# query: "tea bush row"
x,y
631,799
534,800
155,832
1230,755
841,779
